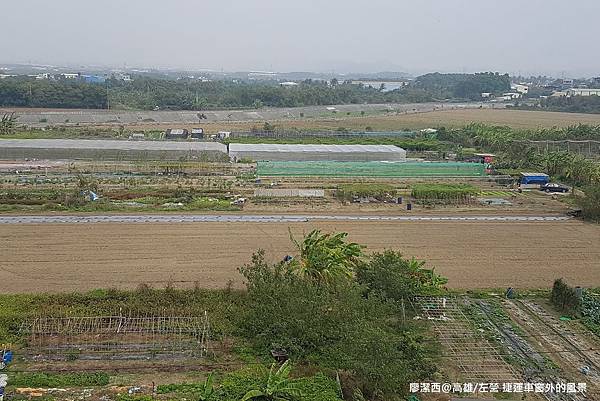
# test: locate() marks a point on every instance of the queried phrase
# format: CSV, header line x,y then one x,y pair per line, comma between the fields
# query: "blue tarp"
x,y
531,178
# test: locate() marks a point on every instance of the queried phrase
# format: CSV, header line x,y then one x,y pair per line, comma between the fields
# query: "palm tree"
x,y
326,257
279,386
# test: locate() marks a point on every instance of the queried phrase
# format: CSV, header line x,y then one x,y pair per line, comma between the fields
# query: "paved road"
x,y
243,218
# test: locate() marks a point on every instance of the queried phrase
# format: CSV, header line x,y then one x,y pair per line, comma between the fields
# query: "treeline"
x,y
462,86
147,93
28,92
572,104
185,94
513,154
498,138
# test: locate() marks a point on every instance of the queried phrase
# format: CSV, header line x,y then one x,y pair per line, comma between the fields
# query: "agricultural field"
x,y
217,341
75,257
423,117
120,269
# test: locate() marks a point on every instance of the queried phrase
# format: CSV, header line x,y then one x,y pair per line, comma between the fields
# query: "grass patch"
x,y
379,191
59,379
444,192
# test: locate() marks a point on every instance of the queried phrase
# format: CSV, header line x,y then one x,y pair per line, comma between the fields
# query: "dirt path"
x,y
68,257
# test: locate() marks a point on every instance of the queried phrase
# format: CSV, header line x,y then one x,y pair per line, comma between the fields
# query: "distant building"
x,y
197,133
582,92
558,94
486,95
176,134
484,157
288,84
262,75
511,95
520,88
137,136
567,82
93,79
223,134
70,76
121,76
44,76
387,85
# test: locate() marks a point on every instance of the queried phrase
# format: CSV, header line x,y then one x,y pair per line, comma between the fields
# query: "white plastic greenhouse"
x,y
278,152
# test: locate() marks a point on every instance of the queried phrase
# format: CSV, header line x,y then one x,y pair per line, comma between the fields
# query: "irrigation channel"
x,y
248,218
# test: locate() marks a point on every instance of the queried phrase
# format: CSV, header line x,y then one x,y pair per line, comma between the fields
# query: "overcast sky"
x,y
528,36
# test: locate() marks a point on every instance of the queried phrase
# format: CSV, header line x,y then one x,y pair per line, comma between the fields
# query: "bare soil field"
x,y
69,257
448,118
409,116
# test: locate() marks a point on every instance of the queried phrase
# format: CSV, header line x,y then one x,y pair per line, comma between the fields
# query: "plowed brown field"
x,y
68,257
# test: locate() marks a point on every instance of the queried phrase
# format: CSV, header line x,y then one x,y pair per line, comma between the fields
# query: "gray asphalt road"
x,y
243,218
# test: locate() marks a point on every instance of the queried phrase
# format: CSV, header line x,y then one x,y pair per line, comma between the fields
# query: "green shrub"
x,y
564,297
393,277
590,311
378,191
334,327
236,384
129,397
590,203
59,379
444,192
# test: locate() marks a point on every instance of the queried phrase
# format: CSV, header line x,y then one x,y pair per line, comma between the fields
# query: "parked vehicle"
x,y
554,187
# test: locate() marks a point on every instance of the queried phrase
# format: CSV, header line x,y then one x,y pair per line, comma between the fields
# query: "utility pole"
x,y
403,313
107,97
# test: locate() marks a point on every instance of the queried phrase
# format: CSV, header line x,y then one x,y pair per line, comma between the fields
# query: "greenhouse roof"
x,y
111,144
268,147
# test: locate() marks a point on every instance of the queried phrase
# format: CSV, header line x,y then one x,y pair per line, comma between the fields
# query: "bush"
x,y
391,276
590,311
564,297
335,327
590,203
444,193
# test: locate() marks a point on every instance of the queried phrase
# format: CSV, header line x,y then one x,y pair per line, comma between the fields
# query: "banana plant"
x,y
326,257
279,386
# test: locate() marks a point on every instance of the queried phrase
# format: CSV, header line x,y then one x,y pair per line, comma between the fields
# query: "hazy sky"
x,y
527,36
